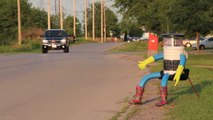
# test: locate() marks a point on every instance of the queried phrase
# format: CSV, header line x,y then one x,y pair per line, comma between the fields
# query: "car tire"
x,y
188,45
66,49
202,47
44,50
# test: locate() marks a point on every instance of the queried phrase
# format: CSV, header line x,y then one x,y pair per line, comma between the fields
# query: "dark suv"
x,y
55,39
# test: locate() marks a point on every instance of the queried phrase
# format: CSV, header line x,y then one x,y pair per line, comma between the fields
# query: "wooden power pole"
x,y
48,15
61,15
104,22
102,40
19,22
74,17
85,18
93,20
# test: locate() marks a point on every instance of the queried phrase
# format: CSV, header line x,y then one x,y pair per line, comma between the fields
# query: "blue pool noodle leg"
x,y
148,77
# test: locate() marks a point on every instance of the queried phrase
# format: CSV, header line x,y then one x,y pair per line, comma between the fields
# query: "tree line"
x,y
161,16
34,21
158,16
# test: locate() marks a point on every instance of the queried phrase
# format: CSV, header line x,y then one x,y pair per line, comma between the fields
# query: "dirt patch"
x,y
131,57
148,110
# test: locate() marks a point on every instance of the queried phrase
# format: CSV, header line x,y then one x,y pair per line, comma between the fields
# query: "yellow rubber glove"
x,y
142,64
178,74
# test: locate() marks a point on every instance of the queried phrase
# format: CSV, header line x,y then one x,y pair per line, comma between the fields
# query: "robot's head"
x,y
173,40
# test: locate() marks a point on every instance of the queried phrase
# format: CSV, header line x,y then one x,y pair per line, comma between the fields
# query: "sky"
x,y
68,6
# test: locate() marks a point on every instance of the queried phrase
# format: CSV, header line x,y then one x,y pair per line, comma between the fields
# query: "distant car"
x,y
55,39
135,39
189,42
145,36
207,43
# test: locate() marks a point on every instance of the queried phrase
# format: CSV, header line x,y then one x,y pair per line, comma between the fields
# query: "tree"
x,y
38,18
8,24
131,28
68,26
30,17
148,13
188,16
111,20
192,16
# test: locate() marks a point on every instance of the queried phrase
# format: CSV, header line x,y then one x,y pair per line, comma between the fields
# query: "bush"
x,y
27,46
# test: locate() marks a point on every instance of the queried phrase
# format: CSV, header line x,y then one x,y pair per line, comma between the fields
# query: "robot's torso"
x,y
172,58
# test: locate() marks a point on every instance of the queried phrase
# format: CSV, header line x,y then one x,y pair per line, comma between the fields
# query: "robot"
x,y
174,57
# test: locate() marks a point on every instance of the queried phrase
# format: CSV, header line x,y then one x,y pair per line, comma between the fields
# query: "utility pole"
x,y
48,15
61,15
93,19
19,22
74,17
85,18
57,13
102,21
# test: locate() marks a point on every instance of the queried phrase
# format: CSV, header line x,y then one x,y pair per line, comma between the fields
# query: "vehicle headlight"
x,y
63,41
45,41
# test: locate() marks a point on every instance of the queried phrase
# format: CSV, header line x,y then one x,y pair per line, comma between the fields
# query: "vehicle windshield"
x,y
55,33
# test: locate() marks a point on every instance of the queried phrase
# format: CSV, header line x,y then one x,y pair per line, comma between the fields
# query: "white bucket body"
x,y
172,53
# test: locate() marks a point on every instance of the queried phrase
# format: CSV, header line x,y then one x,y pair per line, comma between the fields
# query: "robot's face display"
x,y
173,42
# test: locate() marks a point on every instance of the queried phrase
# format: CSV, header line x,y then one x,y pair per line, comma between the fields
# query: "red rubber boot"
x,y
138,96
163,93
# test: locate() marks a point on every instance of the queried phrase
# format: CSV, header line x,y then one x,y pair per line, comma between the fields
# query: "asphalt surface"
x,y
86,84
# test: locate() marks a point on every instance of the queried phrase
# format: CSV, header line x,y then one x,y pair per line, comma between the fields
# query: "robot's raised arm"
x,y
158,56
142,64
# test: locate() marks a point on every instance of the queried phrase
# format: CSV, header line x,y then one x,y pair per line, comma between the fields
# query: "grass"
x,y
184,104
131,47
127,111
83,41
31,46
118,114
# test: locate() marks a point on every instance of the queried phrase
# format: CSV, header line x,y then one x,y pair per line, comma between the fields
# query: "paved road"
x,y
85,84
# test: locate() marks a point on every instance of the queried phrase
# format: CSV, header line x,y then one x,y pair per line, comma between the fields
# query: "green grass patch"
x,y
132,112
201,59
30,46
118,114
131,47
33,46
82,41
184,104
